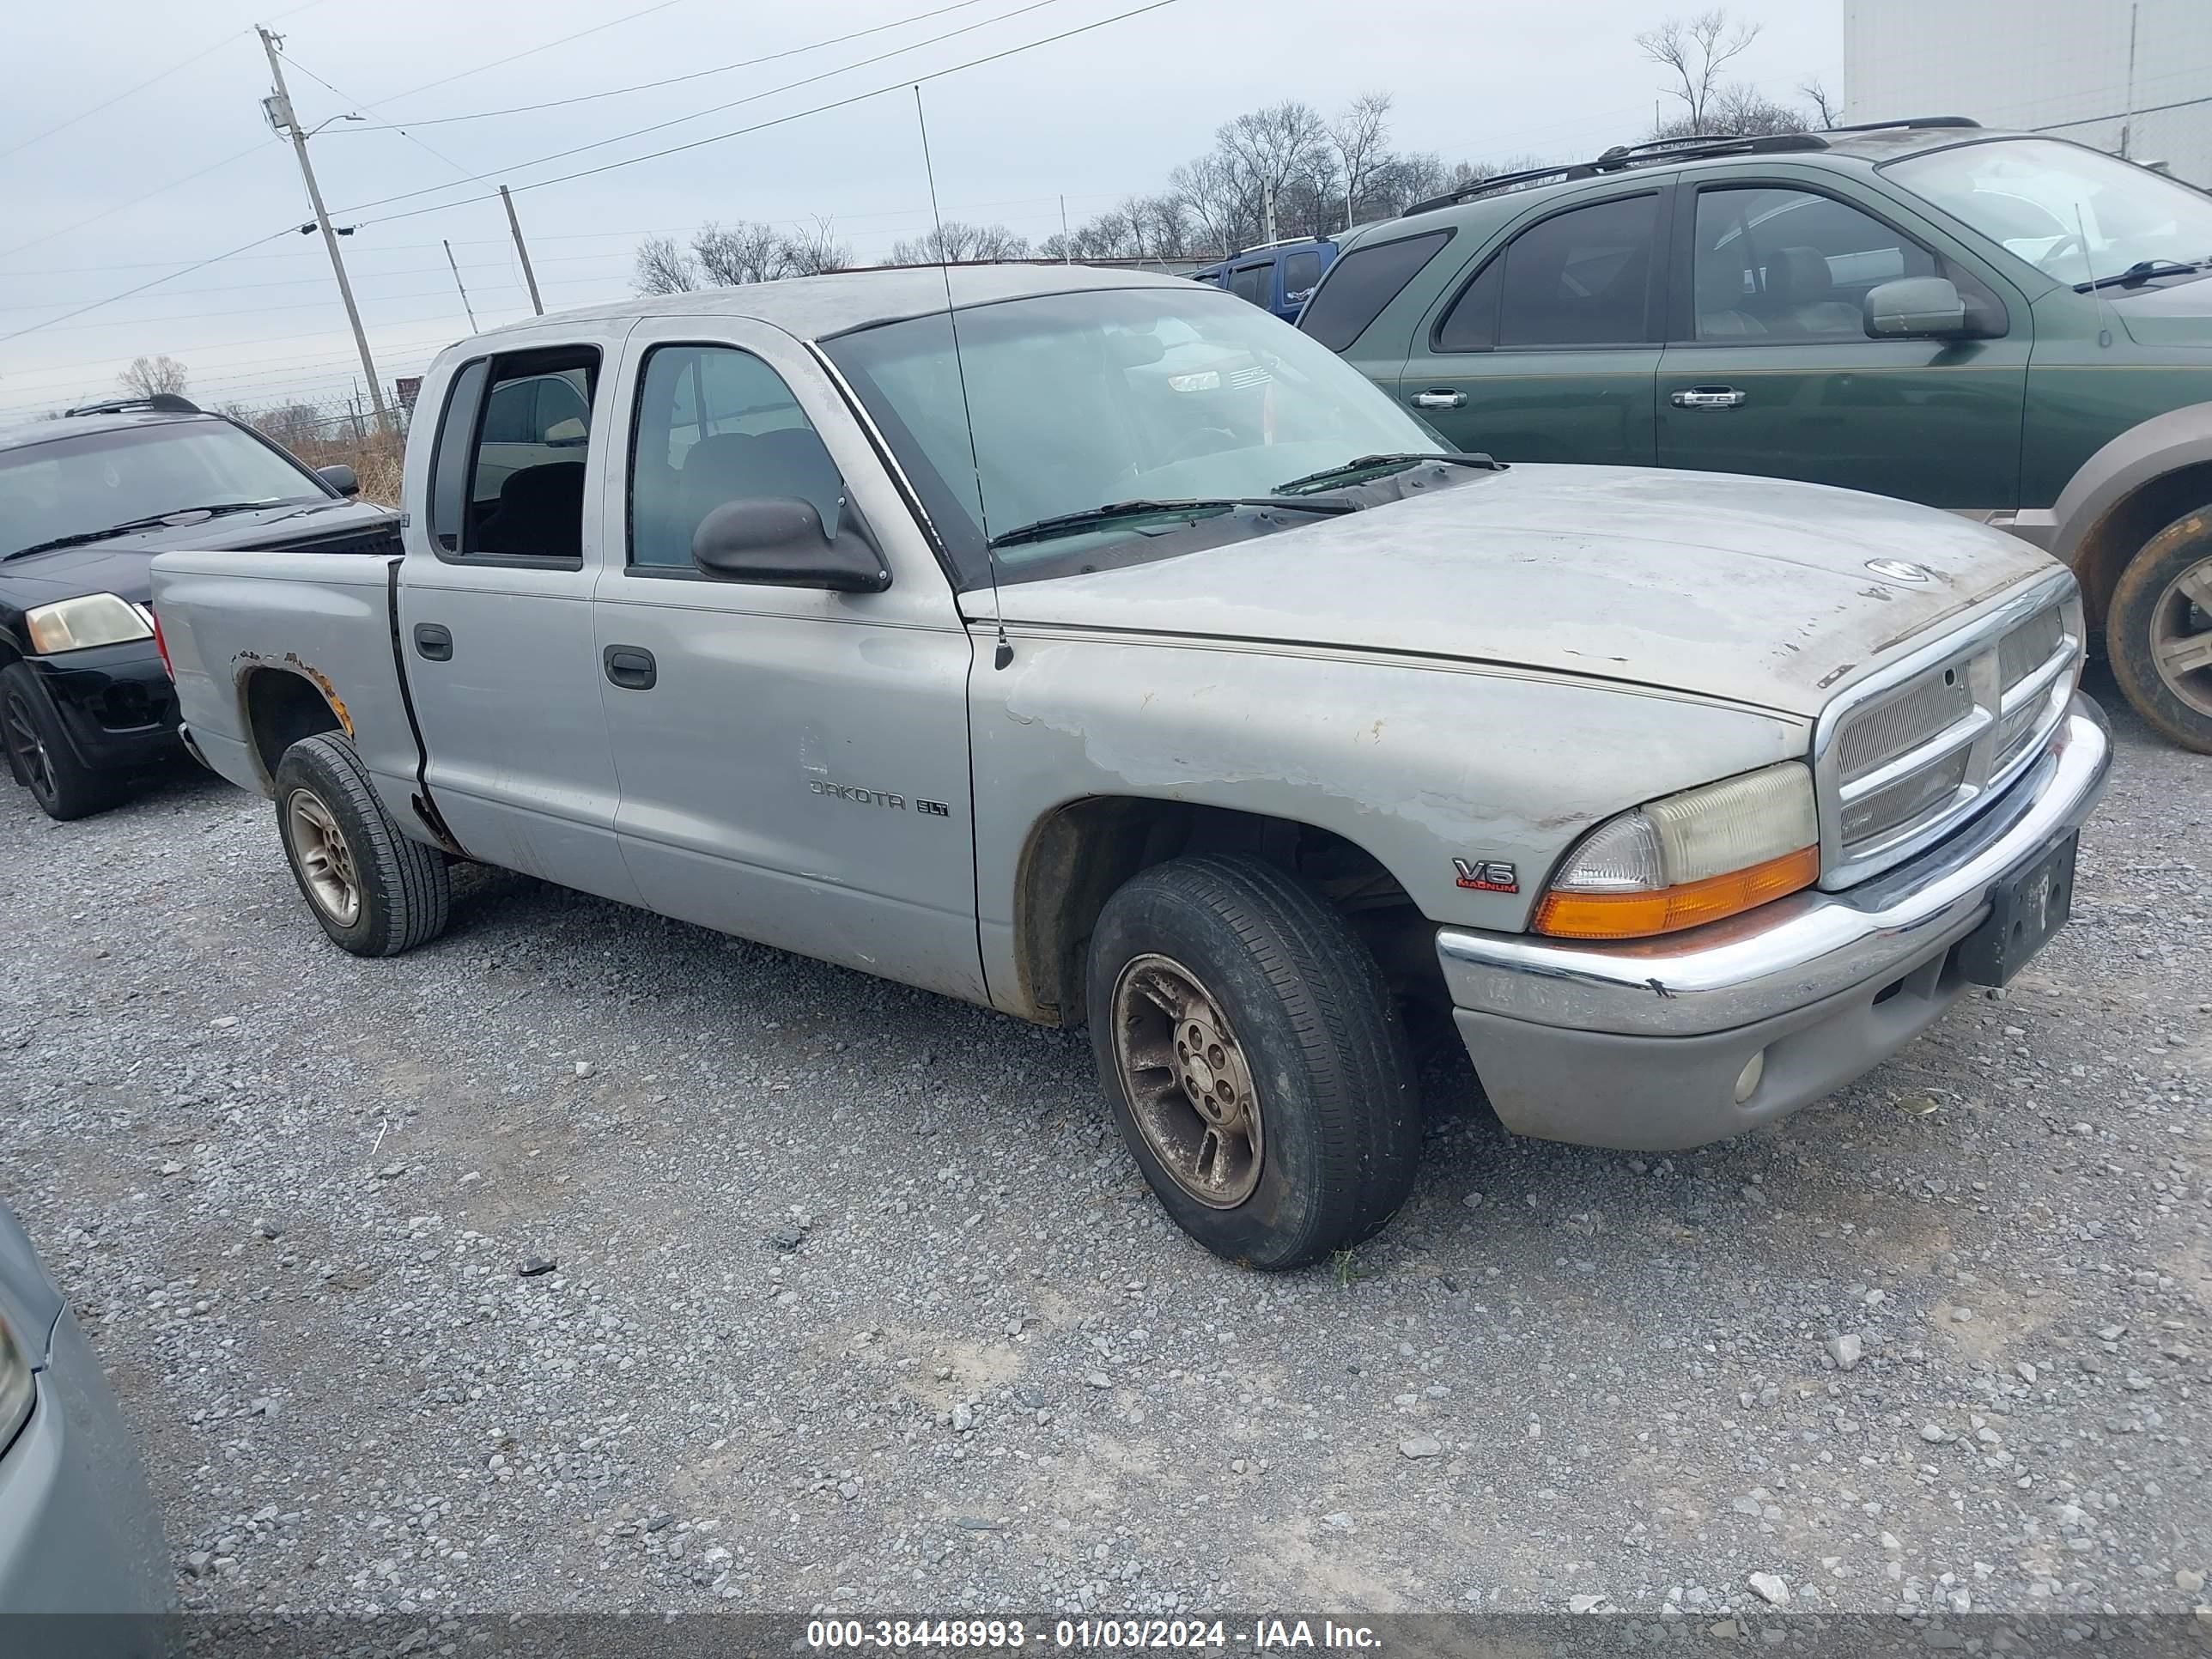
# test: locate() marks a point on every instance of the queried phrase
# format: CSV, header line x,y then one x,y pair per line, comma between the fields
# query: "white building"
x,y
2132,76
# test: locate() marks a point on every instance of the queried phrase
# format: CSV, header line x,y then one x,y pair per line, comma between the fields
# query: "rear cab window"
x,y
1362,283
513,442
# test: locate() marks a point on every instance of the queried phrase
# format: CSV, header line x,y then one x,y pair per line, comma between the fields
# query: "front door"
x,y
1548,351
497,628
1770,369
794,762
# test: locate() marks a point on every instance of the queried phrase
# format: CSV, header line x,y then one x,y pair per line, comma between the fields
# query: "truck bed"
x,y
326,619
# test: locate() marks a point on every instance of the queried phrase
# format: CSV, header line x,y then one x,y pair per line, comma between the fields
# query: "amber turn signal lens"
x,y
1670,909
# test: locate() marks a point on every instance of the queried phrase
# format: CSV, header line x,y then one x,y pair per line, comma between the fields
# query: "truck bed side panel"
x,y
325,617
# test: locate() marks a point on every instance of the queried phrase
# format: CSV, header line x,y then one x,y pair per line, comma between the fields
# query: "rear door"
x,y
794,762
496,619
1768,368
1254,280
1549,348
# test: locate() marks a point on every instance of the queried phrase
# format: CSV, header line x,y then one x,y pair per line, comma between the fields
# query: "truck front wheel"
x,y
1252,1059
375,892
2158,631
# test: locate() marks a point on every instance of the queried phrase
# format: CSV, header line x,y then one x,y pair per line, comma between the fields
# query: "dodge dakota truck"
x,y
1098,648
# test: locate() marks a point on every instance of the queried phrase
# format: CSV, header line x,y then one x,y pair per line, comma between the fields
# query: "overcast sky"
x,y
1093,118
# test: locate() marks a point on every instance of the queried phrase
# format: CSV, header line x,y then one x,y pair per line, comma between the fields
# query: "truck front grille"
x,y
1906,757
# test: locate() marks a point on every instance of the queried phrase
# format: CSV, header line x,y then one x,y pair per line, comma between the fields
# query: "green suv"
x,y
2014,327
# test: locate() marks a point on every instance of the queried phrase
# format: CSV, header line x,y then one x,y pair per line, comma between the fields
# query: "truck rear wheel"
x,y
1254,1061
375,892
2158,631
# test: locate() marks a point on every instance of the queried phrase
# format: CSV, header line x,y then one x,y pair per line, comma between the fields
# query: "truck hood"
x,y
122,565
1754,590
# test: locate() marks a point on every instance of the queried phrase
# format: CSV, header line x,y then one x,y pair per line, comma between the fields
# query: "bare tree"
x,y
747,252
1694,52
1825,107
1737,112
1271,149
152,377
1361,136
954,242
664,267
1208,186
816,251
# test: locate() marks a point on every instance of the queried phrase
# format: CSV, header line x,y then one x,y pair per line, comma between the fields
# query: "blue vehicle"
x,y
1279,276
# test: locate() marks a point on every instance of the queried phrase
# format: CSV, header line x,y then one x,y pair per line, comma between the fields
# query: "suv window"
x,y
1361,282
511,484
1581,277
715,424
1301,270
1252,282
1789,264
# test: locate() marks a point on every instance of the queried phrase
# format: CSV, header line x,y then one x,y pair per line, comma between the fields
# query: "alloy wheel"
x,y
29,748
2181,637
325,860
1189,1086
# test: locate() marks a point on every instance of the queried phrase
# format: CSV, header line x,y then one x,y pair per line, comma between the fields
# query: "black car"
x,y
86,502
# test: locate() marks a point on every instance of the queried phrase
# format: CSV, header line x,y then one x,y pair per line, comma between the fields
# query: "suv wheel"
x,y
39,754
1252,1059
375,892
2158,631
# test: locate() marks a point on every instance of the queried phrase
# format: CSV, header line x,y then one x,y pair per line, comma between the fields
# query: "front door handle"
x,y
433,641
1438,399
631,666
1708,397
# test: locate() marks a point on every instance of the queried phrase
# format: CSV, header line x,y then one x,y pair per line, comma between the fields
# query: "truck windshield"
x,y
82,485
1170,394
2076,214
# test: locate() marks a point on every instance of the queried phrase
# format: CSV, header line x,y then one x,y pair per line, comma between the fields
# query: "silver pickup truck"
x,y
1099,648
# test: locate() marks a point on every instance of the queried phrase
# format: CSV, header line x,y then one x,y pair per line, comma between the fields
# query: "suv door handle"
x,y
631,666
1708,397
1437,399
433,641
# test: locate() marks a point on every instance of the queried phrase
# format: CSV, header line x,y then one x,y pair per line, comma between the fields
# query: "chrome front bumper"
x,y
1642,1045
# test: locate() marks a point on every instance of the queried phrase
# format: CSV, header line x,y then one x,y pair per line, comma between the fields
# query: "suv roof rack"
x,y
1280,241
1621,157
166,403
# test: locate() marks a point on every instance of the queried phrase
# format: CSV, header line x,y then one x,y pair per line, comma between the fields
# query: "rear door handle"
x,y
631,666
434,640
1439,398
1708,397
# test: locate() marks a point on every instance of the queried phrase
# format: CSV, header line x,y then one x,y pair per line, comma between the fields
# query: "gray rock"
x,y
1844,1350
1933,1434
1422,1445
1770,1588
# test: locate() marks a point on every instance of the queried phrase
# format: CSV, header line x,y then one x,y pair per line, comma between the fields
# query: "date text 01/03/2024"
x,y
986,1634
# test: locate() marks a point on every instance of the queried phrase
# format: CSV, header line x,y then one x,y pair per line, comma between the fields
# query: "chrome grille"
x,y
1904,757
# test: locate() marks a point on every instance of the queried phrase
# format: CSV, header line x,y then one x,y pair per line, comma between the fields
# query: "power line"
x,y
2123,115
531,52
781,120
213,259
711,109
105,213
150,80
386,126
700,74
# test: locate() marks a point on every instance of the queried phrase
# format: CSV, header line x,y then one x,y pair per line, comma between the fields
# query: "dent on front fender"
x,y
1418,764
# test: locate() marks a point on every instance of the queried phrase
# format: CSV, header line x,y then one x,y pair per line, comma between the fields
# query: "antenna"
x,y
1005,653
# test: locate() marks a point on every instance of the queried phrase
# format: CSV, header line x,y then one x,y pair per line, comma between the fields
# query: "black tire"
x,y
2147,606
1339,1120
40,755
330,820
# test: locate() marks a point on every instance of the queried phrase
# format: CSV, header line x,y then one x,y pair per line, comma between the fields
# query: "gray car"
x,y
79,1533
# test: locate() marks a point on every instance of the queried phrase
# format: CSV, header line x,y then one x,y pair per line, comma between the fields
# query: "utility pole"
x,y
458,284
1267,203
1067,248
522,248
279,109
2127,127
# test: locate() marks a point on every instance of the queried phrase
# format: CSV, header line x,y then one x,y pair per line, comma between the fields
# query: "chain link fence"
x,y
332,431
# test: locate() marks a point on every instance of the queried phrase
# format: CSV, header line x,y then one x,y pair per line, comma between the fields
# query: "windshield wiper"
x,y
1380,464
151,521
2141,272
1069,524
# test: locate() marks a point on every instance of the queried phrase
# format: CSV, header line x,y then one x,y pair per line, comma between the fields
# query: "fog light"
x,y
1747,1080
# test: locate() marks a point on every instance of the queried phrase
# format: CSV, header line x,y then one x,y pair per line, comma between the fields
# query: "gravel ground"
x,y
849,1297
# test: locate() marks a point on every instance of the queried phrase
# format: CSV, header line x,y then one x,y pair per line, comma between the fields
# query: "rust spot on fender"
x,y
322,682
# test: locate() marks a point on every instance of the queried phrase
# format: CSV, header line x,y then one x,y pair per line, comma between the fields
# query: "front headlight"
x,y
17,1390
1695,857
88,620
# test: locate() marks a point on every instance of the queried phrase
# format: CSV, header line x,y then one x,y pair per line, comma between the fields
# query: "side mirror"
x,y
341,478
778,541
1917,307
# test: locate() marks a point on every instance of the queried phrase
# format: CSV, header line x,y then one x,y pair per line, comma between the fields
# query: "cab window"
x,y
507,476
715,424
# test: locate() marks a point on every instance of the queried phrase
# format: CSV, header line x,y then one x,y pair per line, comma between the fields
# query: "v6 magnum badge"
x,y
1487,876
